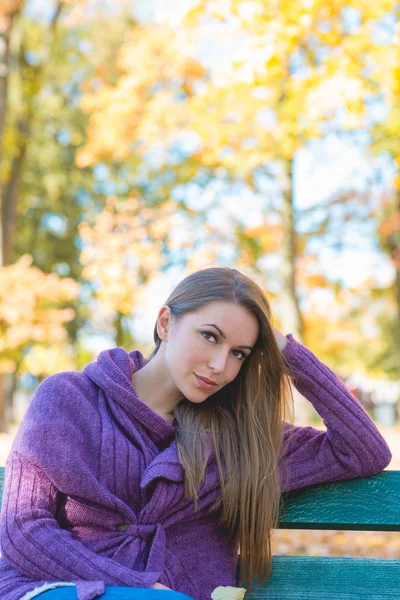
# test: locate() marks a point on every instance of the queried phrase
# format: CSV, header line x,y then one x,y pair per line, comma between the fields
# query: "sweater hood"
x,y
112,372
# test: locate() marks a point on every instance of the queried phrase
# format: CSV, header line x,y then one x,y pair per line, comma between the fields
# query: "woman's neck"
x,y
153,387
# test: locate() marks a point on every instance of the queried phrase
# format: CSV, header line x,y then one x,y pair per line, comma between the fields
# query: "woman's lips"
x,y
204,384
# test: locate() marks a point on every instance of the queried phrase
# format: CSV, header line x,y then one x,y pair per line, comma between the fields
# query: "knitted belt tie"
x,y
154,536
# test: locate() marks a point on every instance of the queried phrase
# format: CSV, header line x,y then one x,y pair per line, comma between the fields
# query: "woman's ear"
x,y
163,322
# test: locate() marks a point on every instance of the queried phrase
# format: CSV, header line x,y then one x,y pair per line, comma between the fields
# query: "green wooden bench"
x,y
367,504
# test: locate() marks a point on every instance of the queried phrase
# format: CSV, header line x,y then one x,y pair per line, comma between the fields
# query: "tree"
x,y
386,138
33,311
12,156
8,14
127,246
301,73
45,194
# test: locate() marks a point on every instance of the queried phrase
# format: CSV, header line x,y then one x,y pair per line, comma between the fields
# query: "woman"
x,y
151,473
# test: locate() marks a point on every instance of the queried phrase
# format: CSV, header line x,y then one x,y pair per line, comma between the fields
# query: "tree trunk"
x,y
289,306
123,337
10,193
289,311
7,388
5,34
119,331
9,400
3,402
396,263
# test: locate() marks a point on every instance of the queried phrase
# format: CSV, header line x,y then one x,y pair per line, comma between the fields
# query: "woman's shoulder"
x,y
63,413
63,393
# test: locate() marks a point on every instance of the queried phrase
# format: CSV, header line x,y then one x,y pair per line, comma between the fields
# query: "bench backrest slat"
x,y
366,504
330,578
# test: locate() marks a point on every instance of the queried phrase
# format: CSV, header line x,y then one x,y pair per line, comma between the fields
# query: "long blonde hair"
x,y
245,420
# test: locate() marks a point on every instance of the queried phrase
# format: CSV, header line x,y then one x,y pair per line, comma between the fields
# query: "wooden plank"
x,y
367,504
328,578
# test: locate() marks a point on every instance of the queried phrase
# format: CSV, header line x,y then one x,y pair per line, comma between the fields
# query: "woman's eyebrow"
x,y
222,333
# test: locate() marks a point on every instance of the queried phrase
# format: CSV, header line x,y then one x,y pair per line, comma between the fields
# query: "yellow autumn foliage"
x,y
31,308
42,361
122,113
164,91
269,236
9,6
123,249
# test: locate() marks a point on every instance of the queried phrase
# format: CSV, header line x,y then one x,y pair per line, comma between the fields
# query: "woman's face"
x,y
211,343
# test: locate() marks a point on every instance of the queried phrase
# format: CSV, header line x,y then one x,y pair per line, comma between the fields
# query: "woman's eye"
x,y
242,355
208,333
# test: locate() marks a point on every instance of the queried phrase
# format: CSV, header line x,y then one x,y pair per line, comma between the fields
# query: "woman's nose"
x,y
218,361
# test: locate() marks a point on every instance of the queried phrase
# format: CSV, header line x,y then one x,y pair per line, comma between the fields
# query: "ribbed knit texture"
x,y
94,491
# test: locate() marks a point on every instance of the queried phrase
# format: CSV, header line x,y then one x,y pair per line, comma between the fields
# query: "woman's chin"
x,y
195,396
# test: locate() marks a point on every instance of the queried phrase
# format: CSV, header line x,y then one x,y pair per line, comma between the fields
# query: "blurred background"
x,y
143,140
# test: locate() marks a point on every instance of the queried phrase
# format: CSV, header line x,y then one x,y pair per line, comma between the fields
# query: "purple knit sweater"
x,y
94,490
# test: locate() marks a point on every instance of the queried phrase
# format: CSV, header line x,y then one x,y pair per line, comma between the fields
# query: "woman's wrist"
x,y
280,338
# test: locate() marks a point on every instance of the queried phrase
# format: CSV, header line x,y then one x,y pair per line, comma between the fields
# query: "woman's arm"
x,y
32,541
280,338
351,446
56,449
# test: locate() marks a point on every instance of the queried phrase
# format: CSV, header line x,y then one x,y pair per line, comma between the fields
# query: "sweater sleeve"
x,y
351,446
55,453
33,542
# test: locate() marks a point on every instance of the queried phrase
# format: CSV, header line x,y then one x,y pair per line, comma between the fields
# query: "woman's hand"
x,y
160,586
280,338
